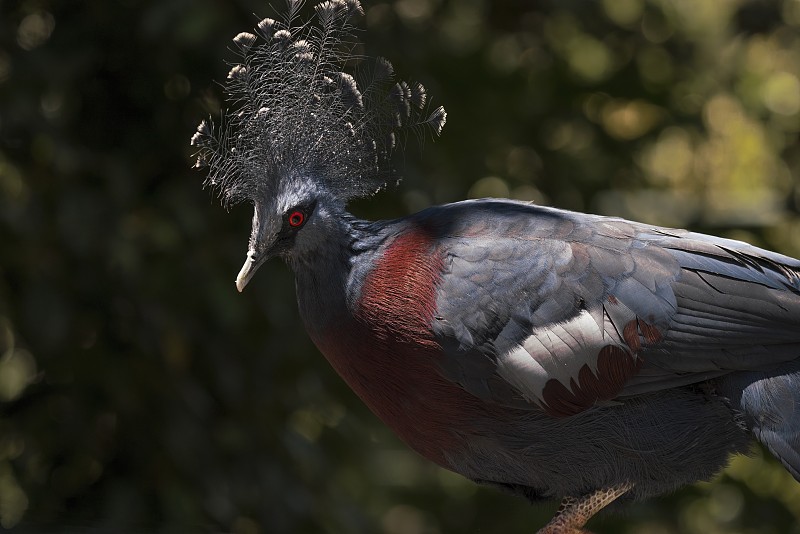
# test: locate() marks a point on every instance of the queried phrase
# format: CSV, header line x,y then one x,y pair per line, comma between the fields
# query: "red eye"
x,y
296,218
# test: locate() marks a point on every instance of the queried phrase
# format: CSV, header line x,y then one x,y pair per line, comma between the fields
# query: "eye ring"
x,y
296,219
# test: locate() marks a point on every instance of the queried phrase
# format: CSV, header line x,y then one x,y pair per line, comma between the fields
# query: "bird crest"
x,y
296,111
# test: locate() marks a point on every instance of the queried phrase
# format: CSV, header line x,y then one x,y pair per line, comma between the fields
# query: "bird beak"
x,y
251,265
262,241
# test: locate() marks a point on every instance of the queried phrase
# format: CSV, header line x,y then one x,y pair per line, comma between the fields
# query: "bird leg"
x,y
576,511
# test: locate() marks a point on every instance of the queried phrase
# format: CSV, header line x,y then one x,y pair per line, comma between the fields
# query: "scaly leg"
x,y
576,511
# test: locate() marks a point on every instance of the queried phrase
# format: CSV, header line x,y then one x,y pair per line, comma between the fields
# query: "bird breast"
x,y
385,351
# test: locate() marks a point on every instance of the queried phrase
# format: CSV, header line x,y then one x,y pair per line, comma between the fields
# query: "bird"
x,y
549,353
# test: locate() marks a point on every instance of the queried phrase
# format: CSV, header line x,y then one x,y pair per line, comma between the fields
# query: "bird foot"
x,y
576,511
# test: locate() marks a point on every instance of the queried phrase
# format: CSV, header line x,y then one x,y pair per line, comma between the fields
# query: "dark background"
x,y
139,392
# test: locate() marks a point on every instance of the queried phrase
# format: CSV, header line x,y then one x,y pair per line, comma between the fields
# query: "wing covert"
x,y
559,310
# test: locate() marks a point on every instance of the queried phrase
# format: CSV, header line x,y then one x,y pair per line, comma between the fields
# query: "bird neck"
x,y
324,276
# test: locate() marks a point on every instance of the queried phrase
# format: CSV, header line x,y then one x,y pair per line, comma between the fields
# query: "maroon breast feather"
x,y
386,352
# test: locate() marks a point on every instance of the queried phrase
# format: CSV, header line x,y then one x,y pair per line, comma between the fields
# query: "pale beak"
x,y
251,265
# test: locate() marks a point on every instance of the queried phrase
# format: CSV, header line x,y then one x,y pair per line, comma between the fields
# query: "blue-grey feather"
x,y
770,402
713,307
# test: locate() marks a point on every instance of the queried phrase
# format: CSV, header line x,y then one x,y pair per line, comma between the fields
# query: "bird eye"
x,y
296,219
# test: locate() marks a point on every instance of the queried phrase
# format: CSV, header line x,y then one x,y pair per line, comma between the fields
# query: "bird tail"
x,y
770,403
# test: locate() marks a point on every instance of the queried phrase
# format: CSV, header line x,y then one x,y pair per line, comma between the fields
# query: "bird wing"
x,y
561,310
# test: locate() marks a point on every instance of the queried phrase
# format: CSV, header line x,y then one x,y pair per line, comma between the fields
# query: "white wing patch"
x,y
557,352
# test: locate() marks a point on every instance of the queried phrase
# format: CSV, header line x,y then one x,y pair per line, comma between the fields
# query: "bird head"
x,y
289,224
305,136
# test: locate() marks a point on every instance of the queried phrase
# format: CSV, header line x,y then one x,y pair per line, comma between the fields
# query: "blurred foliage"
x,y
140,392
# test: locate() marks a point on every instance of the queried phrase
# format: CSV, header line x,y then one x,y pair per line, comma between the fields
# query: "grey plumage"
x,y
717,303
